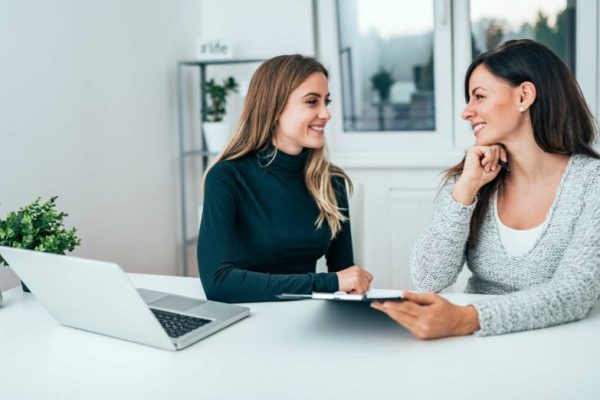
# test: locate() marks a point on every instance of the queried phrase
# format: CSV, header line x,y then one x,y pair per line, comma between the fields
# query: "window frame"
x,y
439,139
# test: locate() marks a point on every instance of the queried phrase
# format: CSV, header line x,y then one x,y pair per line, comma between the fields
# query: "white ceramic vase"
x,y
216,134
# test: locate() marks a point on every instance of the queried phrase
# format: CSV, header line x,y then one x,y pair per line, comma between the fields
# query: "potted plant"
x,y
382,82
216,130
37,226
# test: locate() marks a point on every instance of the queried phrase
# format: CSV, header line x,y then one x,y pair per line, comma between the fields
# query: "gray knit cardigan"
x,y
557,281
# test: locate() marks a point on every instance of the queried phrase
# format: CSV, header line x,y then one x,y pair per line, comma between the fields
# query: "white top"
x,y
306,349
517,242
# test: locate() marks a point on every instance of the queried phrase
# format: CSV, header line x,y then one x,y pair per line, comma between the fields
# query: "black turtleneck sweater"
x,y
258,236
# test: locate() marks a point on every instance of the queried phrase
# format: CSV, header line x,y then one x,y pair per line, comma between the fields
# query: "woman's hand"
x,y
481,167
430,316
354,279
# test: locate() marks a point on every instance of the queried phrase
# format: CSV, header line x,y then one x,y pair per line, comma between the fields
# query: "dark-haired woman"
x,y
522,208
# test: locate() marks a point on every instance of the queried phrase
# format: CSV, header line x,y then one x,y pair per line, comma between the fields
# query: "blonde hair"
x,y
267,95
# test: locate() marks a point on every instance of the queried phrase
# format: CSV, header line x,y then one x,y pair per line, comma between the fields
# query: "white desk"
x,y
293,350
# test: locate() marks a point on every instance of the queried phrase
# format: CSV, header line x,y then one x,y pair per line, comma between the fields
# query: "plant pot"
x,y
216,135
25,288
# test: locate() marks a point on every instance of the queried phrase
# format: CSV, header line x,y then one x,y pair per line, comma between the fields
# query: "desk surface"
x,y
294,350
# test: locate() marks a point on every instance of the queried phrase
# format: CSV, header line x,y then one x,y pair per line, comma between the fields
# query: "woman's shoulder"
x,y
586,168
234,165
228,170
587,164
586,172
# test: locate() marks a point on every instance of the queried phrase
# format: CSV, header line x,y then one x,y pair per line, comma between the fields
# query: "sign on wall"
x,y
213,49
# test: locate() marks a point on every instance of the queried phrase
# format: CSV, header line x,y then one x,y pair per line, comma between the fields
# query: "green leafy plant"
x,y
382,82
38,226
217,98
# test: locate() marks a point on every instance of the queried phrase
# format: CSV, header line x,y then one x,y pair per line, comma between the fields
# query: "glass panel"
x,y
386,58
551,22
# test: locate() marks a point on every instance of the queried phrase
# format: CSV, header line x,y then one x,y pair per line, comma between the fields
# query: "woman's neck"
x,y
287,147
530,164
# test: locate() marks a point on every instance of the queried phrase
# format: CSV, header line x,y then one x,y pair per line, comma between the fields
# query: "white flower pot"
x,y
216,134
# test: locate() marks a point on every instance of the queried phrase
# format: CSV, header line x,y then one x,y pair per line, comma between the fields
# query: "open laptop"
x,y
97,296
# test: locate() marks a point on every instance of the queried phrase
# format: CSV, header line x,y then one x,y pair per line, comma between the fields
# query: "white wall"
x,y
88,113
261,28
258,29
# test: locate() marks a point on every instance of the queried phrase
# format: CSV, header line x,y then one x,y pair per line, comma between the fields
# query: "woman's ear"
x,y
527,94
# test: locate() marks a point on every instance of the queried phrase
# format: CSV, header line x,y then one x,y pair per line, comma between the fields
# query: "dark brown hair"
x,y
561,120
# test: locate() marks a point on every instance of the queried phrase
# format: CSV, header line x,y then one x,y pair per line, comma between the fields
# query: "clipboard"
x,y
369,296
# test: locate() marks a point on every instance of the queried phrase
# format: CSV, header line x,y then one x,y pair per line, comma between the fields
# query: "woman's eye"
x,y
479,97
315,102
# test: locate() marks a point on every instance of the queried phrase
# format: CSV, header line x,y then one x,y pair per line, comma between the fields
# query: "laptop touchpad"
x,y
177,303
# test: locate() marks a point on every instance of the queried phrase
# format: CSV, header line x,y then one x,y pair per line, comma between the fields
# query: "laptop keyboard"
x,y
176,324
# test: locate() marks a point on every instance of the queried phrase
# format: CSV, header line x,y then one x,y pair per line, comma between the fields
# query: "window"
x,y
390,78
397,67
551,22
386,65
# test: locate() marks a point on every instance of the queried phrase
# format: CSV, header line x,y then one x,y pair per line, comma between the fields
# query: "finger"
x,y
477,151
364,272
406,320
493,159
360,286
367,276
365,283
377,305
503,154
487,159
496,158
475,156
421,298
481,153
407,307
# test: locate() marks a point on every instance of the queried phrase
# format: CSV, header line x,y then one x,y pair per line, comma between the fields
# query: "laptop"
x,y
98,297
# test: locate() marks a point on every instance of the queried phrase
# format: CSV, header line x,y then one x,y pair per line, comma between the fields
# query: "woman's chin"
x,y
314,143
482,141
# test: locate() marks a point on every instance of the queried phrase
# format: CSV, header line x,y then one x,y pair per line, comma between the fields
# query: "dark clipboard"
x,y
371,295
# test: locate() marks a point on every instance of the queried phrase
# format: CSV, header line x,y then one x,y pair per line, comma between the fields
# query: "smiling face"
x,y
304,116
494,108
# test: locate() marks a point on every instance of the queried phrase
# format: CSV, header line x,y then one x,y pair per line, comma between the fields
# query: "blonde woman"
x,y
273,204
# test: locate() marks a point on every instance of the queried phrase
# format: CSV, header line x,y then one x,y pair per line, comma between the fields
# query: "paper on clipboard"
x,y
371,295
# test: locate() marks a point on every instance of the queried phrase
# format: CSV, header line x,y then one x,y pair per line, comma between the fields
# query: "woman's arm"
x,y
221,280
439,255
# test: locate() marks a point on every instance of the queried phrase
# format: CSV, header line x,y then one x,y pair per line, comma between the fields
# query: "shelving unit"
x,y
201,152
